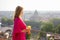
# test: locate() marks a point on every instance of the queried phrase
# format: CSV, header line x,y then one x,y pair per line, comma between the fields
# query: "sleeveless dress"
x,y
17,33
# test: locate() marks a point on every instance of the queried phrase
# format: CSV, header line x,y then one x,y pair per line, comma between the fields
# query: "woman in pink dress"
x,y
19,30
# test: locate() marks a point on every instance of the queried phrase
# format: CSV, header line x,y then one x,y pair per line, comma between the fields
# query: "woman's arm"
x,y
20,26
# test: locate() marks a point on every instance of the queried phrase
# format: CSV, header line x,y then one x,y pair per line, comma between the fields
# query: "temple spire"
x,y
35,16
36,12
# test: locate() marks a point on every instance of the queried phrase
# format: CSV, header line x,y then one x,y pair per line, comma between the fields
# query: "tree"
x,y
42,34
9,22
56,22
57,30
4,21
47,27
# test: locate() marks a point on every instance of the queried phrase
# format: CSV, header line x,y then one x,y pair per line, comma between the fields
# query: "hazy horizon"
x,y
42,5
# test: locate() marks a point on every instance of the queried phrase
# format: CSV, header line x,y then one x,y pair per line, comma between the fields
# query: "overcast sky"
x,y
42,5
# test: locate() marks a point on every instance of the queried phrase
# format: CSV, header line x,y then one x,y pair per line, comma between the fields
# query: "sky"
x,y
41,5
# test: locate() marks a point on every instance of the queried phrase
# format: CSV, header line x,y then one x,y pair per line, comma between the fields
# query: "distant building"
x,y
35,16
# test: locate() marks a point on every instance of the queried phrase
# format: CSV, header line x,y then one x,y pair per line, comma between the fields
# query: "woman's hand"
x,y
24,30
29,32
28,29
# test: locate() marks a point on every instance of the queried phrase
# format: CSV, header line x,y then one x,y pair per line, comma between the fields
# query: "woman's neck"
x,y
20,17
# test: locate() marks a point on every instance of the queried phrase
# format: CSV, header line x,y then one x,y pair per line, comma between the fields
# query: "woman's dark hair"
x,y
17,11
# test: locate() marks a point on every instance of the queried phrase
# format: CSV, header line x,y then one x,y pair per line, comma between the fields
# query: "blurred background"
x,y
42,15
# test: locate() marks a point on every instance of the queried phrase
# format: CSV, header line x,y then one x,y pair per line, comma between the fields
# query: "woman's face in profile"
x,y
21,13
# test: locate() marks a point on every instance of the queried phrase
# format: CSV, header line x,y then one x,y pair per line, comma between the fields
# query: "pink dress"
x,y
19,25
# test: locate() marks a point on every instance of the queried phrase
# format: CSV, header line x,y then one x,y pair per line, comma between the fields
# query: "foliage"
x,y
55,21
42,34
47,27
9,21
57,30
28,36
5,21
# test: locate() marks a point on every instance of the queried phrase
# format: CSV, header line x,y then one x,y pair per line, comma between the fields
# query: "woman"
x,y
19,30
